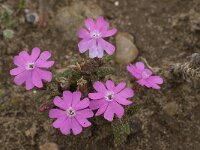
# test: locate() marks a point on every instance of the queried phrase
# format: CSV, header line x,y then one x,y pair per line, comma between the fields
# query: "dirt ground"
x,y
165,32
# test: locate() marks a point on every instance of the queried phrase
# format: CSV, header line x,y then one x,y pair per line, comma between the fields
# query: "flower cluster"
x,y
72,114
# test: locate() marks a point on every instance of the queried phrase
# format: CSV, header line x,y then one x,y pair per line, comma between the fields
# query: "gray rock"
x,y
171,108
126,49
69,19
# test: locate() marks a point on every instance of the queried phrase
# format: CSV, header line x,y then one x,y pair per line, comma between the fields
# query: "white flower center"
x,y
71,112
145,75
109,96
30,66
95,34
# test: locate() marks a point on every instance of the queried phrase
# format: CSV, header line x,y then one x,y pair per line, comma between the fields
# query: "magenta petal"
x,y
126,93
86,113
60,103
59,122
89,23
76,127
29,83
24,55
66,126
134,71
155,79
110,85
45,75
56,113
119,87
84,45
140,65
99,23
96,104
17,70
96,95
19,61
122,100
36,78
109,33
118,109
109,48
21,78
76,98
45,64
67,96
82,104
83,33
109,113
82,121
102,109
99,86
35,53
44,56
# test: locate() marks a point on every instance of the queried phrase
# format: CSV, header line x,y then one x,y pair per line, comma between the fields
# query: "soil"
x,y
165,32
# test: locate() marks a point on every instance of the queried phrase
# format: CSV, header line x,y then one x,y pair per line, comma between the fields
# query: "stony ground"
x,y
164,32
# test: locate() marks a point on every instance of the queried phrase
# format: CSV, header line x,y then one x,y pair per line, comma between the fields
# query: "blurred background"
x,y
163,32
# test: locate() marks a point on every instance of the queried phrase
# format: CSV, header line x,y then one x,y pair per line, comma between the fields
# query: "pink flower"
x,y
144,76
29,68
92,38
71,113
108,100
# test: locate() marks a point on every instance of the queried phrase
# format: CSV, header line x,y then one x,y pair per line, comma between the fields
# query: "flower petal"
x,y
76,98
35,54
99,23
119,87
45,75
60,103
109,32
137,73
118,109
109,113
67,96
99,86
102,109
24,55
17,70
21,78
96,104
83,33
59,122
45,64
82,104
66,127
19,61
43,57
110,85
89,23
36,78
125,93
29,83
86,113
140,65
84,45
109,48
82,121
96,95
76,127
56,113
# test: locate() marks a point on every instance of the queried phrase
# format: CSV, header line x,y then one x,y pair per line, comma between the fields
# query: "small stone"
x,y
116,3
8,34
32,131
171,108
126,50
32,17
49,146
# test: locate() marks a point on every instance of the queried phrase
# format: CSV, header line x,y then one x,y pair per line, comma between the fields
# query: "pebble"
x,y
126,49
171,108
8,34
49,146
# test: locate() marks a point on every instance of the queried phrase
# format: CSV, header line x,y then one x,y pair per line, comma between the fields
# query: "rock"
x,y
126,50
171,108
69,19
32,131
49,146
